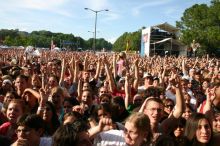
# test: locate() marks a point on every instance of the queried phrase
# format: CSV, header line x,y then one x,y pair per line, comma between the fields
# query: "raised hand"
x,y
44,94
105,124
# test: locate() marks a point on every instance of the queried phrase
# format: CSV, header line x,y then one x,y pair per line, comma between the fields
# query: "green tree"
x,y
202,24
134,40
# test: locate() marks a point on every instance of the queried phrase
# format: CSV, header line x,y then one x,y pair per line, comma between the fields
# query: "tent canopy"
x,y
167,27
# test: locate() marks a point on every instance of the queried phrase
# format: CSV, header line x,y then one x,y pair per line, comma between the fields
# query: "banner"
x,y
164,40
145,42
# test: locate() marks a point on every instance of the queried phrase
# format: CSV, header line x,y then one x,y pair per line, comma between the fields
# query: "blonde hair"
x,y
58,90
142,123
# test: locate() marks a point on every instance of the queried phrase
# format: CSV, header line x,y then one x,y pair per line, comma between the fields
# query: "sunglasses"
x,y
169,106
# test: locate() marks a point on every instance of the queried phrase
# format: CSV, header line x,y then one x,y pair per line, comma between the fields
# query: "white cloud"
x,y
53,6
137,10
112,40
97,4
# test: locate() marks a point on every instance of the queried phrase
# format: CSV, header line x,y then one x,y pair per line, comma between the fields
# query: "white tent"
x,y
56,49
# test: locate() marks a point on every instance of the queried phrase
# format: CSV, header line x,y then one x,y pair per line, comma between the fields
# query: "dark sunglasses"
x,y
169,106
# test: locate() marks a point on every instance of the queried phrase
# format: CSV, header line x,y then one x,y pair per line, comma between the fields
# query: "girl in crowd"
x,y
15,109
56,98
51,119
188,111
198,131
137,132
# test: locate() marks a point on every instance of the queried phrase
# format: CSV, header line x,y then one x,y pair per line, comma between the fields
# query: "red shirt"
x,y
121,93
4,131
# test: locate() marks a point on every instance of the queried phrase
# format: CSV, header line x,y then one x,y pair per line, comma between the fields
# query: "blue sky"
x,y
69,16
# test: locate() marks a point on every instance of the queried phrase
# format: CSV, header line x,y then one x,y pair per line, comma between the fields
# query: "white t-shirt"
x,y
110,138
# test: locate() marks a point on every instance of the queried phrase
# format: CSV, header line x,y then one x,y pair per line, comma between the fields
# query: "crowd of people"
x,y
108,99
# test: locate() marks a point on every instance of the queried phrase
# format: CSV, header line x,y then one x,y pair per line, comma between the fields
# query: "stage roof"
x,y
167,27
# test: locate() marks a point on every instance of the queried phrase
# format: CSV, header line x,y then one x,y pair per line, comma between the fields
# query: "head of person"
x,y
205,84
86,86
68,103
179,128
71,117
187,97
30,100
168,105
86,75
198,129
106,83
16,108
101,111
192,72
156,81
138,100
35,81
74,134
50,118
87,97
103,90
53,81
6,85
67,82
148,79
57,96
9,96
188,111
21,83
49,113
121,82
154,109
137,129
122,55
30,127
118,108
105,98
216,120
184,83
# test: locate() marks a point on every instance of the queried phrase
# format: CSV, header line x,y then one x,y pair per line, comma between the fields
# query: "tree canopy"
x,y
132,41
202,24
43,39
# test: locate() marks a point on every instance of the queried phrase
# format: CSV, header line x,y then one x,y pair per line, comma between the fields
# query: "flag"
x,y
127,45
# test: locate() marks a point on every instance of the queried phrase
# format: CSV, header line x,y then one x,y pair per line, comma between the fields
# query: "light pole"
x,y
93,35
96,12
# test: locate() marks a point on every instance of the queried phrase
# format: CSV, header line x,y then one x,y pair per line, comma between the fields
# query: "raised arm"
x,y
179,107
62,71
86,62
105,124
114,66
168,124
71,68
76,72
79,90
42,103
184,68
210,97
33,92
127,91
136,74
109,75
98,69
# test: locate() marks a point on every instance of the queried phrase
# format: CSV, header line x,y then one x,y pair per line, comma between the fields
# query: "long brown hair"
x,y
142,123
192,126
